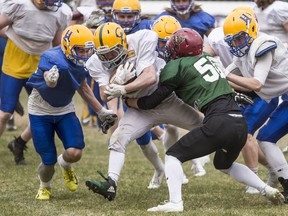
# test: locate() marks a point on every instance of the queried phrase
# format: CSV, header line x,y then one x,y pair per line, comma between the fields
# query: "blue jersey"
x,y
200,21
144,24
70,78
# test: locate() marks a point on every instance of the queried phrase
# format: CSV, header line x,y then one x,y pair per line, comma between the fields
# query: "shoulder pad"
x,y
265,47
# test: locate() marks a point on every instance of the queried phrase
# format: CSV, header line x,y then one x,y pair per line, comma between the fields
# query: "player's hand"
x,y
107,119
242,99
114,91
53,74
123,74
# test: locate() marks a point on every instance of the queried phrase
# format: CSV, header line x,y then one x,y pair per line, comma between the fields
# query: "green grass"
x,y
213,194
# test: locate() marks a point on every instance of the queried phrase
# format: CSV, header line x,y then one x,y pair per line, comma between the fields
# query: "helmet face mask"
x,y
164,26
126,13
240,29
52,5
111,45
184,42
77,44
182,9
106,6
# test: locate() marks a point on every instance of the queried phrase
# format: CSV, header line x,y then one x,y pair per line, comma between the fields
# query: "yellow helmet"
x,y
110,38
130,7
241,26
74,39
164,26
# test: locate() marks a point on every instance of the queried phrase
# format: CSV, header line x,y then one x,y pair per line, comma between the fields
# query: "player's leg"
x,y
70,132
43,140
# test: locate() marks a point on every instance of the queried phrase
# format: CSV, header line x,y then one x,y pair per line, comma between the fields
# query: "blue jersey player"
x,y
60,74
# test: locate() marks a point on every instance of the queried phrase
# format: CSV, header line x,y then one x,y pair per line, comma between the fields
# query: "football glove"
x,y
107,119
242,99
114,91
123,74
53,74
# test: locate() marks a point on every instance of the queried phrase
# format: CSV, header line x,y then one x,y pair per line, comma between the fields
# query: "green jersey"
x,y
197,80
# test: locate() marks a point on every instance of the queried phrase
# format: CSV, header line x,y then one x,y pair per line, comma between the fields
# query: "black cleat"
x,y
284,183
18,151
107,188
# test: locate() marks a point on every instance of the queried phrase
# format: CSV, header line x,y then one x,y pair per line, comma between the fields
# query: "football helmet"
x,y
111,44
240,29
184,42
52,5
126,7
164,26
77,44
105,5
182,9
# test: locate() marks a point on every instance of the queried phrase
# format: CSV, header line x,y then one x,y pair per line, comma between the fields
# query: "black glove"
x,y
108,122
242,99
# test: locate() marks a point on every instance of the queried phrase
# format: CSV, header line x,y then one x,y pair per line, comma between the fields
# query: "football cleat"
x,y
18,151
168,207
185,179
274,195
198,169
43,194
284,183
107,188
156,180
70,179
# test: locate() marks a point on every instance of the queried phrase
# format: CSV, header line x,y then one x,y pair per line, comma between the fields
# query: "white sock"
x,y
44,184
174,178
64,164
275,158
116,162
151,153
243,174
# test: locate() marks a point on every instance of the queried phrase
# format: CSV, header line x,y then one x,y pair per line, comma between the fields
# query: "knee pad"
x,y
118,141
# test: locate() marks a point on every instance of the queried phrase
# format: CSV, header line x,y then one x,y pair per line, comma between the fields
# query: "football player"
x,y
59,75
198,80
261,59
113,49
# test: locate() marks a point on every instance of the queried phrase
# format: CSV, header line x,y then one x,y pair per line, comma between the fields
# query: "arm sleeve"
x,y
153,100
262,67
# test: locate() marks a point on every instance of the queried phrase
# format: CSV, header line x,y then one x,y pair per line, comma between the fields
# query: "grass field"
x,y
214,194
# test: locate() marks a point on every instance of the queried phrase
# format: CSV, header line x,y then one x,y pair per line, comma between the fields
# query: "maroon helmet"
x,y
184,42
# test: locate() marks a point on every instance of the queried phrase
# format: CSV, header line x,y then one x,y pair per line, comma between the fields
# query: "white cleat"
x,y
185,180
251,190
285,149
272,179
168,207
198,170
274,195
156,180
205,159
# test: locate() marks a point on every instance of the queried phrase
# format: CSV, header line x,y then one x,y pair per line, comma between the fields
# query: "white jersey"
x,y
220,47
272,19
141,52
275,83
33,30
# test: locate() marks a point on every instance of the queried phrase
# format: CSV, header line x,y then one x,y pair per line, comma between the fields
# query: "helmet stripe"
x,y
100,35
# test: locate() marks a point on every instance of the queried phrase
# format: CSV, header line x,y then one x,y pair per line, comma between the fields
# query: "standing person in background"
x,y
60,74
190,15
23,51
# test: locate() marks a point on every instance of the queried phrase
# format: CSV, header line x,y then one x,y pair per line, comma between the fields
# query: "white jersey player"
x,y
272,17
139,49
263,62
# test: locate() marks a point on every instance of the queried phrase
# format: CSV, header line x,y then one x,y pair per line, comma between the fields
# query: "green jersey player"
x,y
199,81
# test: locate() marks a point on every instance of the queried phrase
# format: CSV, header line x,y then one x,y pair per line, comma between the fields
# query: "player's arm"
x,y
151,101
87,94
4,22
57,38
261,71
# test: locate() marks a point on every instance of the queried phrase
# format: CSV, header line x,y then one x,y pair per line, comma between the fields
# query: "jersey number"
x,y
204,66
